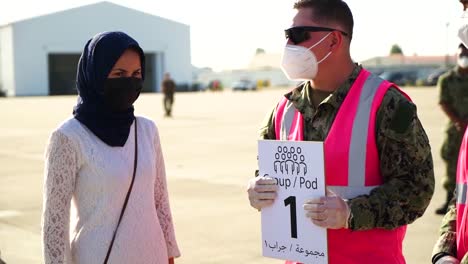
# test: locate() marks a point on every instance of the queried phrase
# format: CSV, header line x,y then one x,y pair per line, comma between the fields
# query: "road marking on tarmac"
x,y
9,213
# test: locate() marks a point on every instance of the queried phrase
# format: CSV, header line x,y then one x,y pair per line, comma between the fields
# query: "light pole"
x,y
446,44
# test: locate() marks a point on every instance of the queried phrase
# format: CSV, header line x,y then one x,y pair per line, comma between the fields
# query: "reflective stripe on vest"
x,y
291,128
462,209
292,125
358,138
461,193
352,168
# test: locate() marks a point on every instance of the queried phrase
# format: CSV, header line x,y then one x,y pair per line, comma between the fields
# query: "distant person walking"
x,y
453,99
106,165
168,88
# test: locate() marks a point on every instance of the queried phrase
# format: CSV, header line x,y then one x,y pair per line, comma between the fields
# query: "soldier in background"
x,y
453,99
168,88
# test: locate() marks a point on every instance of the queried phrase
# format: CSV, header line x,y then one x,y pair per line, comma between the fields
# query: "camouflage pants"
x,y
168,101
449,153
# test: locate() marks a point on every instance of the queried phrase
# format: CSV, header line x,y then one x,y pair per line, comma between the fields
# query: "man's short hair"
x,y
335,11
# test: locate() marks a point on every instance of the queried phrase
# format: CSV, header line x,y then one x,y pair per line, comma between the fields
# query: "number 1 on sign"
x,y
291,200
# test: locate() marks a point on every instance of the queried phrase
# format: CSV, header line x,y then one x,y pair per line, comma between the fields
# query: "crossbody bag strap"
x,y
128,195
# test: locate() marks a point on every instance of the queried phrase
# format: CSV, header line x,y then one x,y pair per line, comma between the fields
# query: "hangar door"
x,y
62,73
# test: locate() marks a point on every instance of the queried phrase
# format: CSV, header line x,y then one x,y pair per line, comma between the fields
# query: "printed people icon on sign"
x,y
303,165
289,161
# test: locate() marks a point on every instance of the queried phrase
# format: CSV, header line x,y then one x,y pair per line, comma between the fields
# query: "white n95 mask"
x,y
299,63
463,62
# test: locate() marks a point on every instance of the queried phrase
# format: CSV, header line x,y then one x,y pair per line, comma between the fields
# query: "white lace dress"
x,y
86,182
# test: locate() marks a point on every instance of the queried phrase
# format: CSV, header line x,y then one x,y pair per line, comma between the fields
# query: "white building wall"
x,y
68,32
7,71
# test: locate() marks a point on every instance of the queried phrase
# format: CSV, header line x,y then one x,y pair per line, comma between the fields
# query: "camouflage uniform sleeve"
x,y
267,128
406,167
447,242
442,85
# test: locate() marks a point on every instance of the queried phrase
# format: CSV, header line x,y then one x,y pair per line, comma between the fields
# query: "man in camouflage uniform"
x,y
408,187
403,147
453,100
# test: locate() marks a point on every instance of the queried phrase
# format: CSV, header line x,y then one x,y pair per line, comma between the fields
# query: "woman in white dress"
x,y
106,166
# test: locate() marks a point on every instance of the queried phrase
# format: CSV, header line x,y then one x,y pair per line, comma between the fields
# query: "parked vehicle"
x,y
244,85
187,87
197,86
434,76
215,85
400,77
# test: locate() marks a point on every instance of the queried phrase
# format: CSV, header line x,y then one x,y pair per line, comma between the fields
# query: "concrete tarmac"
x,y
210,151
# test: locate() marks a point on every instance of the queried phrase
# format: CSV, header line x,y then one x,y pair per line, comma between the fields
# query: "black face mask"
x,y
121,93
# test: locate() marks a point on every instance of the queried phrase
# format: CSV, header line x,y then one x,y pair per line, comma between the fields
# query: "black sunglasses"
x,y
300,34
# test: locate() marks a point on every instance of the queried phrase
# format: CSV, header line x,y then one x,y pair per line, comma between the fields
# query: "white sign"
x,y
298,168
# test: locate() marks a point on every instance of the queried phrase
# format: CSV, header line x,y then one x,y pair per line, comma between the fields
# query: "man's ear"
x,y
336,40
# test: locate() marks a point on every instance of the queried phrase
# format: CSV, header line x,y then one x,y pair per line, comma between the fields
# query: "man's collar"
x,y
301,96
458,72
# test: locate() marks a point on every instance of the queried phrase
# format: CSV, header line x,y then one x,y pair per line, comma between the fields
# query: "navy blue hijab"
x,y
97,60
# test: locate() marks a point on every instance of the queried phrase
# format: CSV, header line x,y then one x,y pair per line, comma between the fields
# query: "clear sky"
x,y
226,33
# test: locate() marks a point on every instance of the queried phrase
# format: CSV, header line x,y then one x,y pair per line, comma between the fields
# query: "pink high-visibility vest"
x,y
352,168
462,214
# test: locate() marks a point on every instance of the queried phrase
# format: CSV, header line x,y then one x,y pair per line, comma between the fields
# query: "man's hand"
x,y
447,260
328,212
459,123
461,126
262,192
